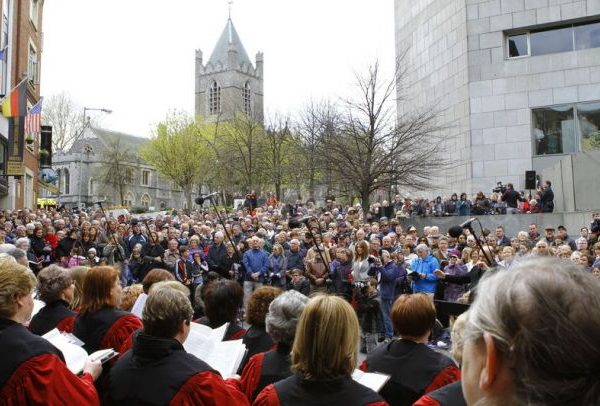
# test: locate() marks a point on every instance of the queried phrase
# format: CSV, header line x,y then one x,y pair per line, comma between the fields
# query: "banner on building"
x,y
14,161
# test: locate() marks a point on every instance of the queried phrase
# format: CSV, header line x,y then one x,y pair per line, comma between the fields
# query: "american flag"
x,y
33,119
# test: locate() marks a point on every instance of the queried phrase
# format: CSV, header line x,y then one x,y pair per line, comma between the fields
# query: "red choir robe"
x,y
102,329
264,369
33,372
54,315
415,370
159,371
106,328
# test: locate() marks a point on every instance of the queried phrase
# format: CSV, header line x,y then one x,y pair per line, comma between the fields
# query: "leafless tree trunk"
x,y
66,119
312,127
376,149
281,151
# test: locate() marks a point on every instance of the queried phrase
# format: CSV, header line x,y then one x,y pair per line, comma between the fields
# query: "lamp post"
x,y
86,148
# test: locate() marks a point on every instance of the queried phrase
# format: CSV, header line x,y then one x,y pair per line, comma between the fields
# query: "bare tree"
x,y
241,144
312,127
377,149
66,119
281,151
116,171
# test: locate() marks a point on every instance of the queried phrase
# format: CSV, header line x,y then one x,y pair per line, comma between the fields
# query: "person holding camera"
x,y
387,272
546,197
512,198
341,273
370,315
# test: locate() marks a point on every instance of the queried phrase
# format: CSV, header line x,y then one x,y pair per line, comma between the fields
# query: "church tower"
x,y
229,83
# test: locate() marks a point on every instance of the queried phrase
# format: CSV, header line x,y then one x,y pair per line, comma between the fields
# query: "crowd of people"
x,y
504,199
306,290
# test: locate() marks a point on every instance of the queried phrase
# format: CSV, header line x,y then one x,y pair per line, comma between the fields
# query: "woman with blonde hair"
x,y
78,274
360,265
33,371
324,355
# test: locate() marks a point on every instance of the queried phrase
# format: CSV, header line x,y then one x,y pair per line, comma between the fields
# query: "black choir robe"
x,y
449,395
33,372
295,390
158,371
54,315
106,328
415,370
264,369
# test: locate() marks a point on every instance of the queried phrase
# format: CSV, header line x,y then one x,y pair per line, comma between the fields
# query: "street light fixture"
x,y
85,149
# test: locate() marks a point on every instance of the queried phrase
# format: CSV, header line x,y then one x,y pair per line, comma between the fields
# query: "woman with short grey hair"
x,y
268,367
532,337
56,289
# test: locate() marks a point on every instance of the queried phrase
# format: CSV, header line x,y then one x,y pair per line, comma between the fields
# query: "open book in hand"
x,y
372,380
74,355
205,343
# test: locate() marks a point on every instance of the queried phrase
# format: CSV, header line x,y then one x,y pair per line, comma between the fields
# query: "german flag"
x,y
15,104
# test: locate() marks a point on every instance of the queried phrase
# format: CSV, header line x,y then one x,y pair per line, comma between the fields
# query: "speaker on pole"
x,y
530,180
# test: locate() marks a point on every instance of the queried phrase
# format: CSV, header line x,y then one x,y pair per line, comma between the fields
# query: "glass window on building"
x,y
587,36
551,41
553,130
145,178
518,45
588,119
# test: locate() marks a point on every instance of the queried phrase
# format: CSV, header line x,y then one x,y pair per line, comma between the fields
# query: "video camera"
x,y
500,188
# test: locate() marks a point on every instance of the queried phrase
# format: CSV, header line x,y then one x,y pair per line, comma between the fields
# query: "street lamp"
x,y
86,149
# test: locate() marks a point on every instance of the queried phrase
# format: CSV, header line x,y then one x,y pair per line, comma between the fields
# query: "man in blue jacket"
x,y
388,274
255,265
425,265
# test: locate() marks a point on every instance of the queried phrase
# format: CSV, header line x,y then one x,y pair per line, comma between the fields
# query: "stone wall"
x,y
513,223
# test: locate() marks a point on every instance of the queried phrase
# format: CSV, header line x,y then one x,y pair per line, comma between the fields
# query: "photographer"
x,y
341,273
547,197
388,274
512,198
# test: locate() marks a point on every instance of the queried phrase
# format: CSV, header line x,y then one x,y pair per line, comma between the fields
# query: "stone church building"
x,y
229,82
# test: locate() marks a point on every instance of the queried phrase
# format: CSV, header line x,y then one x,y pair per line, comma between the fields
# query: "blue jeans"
x,y
386,309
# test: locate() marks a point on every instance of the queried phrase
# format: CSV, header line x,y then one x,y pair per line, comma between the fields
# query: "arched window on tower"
x,y
60,180
67,183
214,98
246,96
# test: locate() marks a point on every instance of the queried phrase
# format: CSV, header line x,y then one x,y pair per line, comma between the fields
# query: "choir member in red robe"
x,y
271,366
323,359
100,324
32,371
451,394
158,370
56,289
415,369
222,302
256,338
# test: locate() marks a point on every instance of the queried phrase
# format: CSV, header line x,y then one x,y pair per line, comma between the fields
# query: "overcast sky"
x,y
136,57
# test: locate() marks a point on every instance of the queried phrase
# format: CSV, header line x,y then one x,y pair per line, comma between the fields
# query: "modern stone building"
x,y
80,174
229,82
517,84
